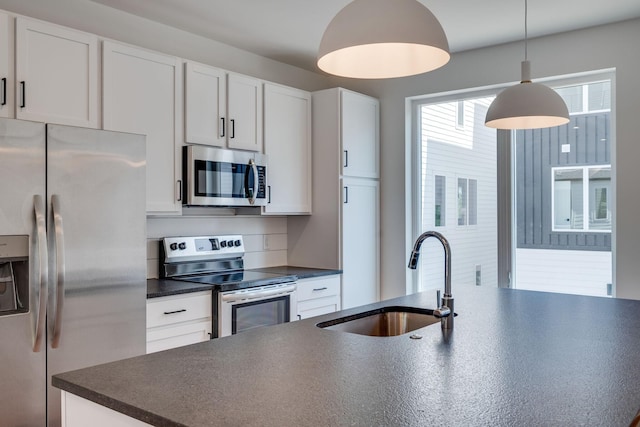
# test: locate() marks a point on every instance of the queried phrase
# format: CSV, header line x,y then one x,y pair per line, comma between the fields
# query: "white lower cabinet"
x,y
178,320
360,242
79,412
318,295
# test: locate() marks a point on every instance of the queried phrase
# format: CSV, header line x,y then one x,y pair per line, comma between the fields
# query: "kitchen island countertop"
x,y
513,358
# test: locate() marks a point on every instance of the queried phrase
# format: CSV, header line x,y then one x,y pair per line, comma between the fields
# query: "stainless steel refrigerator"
x,y
72,259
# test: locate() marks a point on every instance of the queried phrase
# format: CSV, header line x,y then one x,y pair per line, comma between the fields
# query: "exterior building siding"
x,y
456,150
537,152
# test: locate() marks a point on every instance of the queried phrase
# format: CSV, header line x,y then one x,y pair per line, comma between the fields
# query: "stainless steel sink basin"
x,y
383,322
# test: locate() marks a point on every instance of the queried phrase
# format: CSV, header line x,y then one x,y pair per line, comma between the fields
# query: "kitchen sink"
x,y
383,322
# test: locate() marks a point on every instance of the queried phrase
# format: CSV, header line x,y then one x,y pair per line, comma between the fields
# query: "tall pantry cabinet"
x,y
343,231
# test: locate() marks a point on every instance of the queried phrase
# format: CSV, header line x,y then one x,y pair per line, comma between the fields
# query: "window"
x,y
460,115
462,201
538,212
577,190
440,201
473,202
467,201
587,98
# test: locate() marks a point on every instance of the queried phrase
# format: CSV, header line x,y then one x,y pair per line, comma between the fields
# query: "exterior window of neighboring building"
x,y
473,202
581,198
460,115
440,201
467,201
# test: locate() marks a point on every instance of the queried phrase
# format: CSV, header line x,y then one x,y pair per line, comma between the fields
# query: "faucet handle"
x,y
440,310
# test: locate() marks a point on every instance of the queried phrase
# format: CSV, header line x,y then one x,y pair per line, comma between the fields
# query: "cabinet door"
x,y
159,339
287,142
244,109
360,135
142,94
205,105
317,296
6,66
360,242
56,74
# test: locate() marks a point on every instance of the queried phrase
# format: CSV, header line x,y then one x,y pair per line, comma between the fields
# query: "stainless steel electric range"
x,y
243,299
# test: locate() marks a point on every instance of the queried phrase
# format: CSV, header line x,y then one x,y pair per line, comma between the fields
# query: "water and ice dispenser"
x,y
14,274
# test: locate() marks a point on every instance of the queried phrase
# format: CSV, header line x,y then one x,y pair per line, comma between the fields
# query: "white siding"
x,y
468,152
568,272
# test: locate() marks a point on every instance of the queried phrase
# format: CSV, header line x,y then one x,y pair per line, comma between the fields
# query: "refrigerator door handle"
x,y
43,271
60,269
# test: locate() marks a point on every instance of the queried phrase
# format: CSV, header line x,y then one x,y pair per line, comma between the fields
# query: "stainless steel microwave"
x,y
218,177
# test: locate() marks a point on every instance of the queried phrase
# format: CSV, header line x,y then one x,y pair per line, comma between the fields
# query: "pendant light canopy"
x,y
527,105
376,39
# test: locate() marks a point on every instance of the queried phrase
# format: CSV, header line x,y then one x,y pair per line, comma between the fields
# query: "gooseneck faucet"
x,y
445,309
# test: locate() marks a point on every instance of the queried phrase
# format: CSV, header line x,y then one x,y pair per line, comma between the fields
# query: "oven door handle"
x,y
239,296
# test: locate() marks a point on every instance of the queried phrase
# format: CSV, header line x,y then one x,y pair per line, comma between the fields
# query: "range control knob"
x,y
230,243
238,243
173,246
223,244
182,246
214,244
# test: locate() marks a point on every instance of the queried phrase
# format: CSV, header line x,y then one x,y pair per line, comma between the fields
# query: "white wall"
x,y
610,46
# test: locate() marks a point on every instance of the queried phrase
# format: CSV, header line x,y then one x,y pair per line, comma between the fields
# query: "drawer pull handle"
x,y
176,311
320,289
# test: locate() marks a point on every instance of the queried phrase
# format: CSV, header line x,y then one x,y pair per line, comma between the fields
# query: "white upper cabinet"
x,y
56,74
287,143
205,105
222,109
6,66
143,94
360,135
244,111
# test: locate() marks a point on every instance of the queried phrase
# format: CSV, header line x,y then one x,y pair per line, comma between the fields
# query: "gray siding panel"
x,y
539,150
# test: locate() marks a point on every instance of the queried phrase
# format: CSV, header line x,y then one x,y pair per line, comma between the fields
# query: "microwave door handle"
x,y
43,271
250,192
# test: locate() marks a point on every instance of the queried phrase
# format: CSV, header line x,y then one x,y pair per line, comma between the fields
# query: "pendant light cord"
x,y
525,30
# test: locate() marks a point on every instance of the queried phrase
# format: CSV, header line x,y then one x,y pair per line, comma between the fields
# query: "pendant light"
x,y
376,39
527,105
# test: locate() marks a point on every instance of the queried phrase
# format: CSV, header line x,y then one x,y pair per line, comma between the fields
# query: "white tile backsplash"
x,y
256,231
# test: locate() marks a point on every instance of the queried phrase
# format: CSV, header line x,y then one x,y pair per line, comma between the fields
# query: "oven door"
x,y
217,177
251,308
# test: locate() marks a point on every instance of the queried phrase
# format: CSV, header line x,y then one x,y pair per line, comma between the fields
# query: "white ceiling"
x,y
289,31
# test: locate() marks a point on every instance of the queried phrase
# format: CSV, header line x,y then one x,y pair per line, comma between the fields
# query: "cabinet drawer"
x,y
164,338
175,309
318,287
318,307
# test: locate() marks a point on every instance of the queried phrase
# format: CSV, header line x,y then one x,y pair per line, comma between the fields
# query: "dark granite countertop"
x,y
166,287
514,358
299,272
